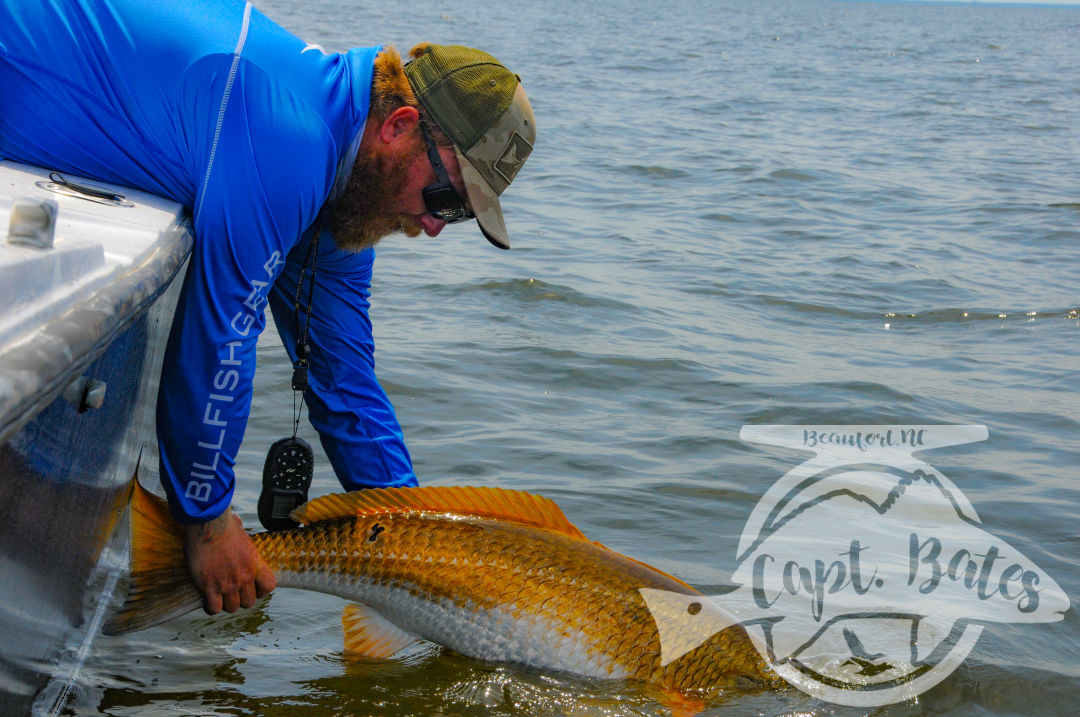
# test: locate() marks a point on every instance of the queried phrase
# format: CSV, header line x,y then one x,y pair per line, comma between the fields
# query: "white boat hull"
x,y
82,332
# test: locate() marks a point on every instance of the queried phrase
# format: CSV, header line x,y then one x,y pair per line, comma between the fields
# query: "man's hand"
x,y
225,565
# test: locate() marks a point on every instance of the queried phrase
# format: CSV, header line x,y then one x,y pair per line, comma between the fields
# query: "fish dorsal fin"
x,y
369,634
510,505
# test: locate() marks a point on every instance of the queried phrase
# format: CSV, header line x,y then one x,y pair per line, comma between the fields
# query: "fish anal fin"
x,y
370,635
483,502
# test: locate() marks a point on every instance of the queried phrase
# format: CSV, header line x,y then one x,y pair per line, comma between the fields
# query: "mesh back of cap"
x,y
465,90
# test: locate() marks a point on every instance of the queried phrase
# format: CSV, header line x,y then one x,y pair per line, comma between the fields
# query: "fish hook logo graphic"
x,y
864,575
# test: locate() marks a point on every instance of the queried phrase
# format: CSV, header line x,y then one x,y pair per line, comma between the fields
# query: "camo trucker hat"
x,y
482,108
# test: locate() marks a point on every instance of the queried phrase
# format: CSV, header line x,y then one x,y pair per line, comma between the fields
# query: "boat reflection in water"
x,y
87,289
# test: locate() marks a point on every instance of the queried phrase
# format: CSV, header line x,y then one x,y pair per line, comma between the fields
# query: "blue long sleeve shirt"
x,y
214,105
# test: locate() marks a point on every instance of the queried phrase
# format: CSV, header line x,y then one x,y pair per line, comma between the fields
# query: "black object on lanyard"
x,y
290,462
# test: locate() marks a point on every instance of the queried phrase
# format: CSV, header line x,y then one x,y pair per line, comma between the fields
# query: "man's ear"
x,y
400,124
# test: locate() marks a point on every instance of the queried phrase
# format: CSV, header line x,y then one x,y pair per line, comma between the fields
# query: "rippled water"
x,y
737,213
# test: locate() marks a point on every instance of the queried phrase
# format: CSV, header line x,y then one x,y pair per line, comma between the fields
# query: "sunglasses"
x,y
440,198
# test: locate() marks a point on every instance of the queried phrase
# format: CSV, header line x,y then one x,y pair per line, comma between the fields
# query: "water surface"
x,y
737,213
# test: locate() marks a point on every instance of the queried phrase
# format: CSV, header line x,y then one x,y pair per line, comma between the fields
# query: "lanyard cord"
x,y
300,368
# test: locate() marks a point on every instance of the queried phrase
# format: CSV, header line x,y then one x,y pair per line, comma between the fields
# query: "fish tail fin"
x,y
161,587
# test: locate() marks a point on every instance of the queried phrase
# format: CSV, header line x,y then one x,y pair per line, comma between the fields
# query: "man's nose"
x,y
431,225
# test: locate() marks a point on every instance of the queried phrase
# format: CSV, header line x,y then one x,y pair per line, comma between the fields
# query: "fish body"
x,y
492,574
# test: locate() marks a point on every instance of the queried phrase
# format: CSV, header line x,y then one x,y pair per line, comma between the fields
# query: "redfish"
x,y
492,574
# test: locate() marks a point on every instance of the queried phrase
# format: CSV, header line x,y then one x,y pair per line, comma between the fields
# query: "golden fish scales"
x,y
490,573
479,565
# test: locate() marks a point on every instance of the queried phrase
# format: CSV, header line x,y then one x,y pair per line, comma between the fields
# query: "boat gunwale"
x,y
37,368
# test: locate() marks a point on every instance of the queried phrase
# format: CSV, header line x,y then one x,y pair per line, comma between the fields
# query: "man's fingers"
x,y
247,595
230,601
264,579
212,603
225,565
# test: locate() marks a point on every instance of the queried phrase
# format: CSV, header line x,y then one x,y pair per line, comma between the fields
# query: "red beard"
x,y
363,214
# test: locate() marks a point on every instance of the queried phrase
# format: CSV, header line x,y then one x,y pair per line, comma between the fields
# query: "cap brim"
x,y
484,202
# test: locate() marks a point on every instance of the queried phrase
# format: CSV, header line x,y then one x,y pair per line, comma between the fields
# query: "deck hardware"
x,y
85,393
33,222
59,184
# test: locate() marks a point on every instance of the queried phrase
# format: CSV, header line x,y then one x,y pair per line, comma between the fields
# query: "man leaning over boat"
x,y
292,161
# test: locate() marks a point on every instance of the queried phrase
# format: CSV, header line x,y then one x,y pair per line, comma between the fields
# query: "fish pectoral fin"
x,y
678,703
370,635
